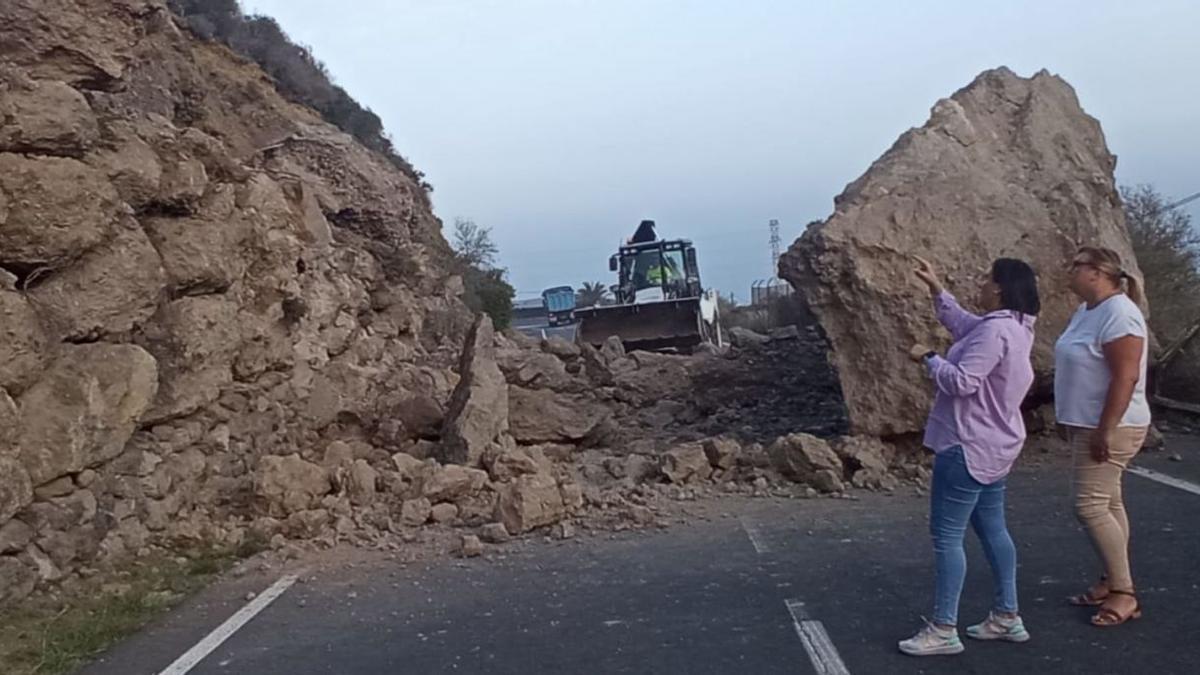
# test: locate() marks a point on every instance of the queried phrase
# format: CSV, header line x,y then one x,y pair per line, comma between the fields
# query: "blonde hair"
x,y
1108,262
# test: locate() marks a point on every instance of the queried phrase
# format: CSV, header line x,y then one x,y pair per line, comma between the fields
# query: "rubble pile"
x,y
224,322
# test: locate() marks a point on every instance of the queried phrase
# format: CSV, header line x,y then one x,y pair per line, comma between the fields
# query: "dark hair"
x,y
1018,286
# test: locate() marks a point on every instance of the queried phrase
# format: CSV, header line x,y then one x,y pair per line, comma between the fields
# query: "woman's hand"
x,y
918,352
1098,444
928,275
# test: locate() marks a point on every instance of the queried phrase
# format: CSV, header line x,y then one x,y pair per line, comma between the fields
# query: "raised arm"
x,y
956,319
981,353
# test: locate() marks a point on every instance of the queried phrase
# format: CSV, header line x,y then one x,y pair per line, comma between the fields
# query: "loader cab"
x,y
657,270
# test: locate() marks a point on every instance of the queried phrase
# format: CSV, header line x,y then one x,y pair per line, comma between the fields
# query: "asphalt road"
x,y
538,328
713,596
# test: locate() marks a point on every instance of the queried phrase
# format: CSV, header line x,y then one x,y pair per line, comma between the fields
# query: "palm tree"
x,y
591,293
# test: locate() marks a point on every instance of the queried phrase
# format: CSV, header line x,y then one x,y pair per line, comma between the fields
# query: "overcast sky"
x,y
562,123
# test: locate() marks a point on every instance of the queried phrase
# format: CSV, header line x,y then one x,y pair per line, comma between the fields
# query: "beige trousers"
x,y
1097,492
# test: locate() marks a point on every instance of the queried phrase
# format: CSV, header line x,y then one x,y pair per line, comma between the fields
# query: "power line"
x,y
1183,201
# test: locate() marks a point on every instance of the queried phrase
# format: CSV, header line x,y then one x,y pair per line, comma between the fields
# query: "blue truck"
x,y
560,305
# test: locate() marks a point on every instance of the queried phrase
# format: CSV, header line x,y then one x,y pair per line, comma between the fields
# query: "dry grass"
x,y
59,633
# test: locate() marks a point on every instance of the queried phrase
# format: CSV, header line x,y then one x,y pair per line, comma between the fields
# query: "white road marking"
x,y
223,632
756,537
1164,479
821,652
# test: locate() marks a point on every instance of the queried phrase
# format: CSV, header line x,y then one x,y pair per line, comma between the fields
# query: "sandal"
x,y
1108,616
1090,598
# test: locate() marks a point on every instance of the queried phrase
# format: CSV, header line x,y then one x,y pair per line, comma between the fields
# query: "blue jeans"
x,y
956,499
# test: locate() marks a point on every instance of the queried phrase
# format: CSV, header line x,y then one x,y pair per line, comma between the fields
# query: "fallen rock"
x,y
722,452
289,484
470,546
415,512
16,490
800,456
567,351
22,345
542,416
15,535
361,483
1019,169
85,408
529,502
745,338
865,460
686,463
55,210
443,513
16,580
44,118
827,481
111,290
453,482
494,533
479,408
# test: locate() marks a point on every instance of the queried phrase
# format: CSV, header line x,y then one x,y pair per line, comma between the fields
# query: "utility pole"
x,y
775,244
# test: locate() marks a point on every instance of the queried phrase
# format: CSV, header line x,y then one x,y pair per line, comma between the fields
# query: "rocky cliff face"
x,y
194,274
1007,166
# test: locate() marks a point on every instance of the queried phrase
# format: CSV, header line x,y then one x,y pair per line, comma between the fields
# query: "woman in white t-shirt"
x,y
1100,401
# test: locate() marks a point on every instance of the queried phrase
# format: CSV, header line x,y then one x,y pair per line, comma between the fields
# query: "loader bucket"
x,y
647,326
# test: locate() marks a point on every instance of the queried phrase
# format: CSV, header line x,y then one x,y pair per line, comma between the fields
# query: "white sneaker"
x,y
999,628
932,641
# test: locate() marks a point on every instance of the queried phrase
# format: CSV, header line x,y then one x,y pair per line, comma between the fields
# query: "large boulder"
x,y
111,290
47,118
52,210
84,408
478,411
1007,166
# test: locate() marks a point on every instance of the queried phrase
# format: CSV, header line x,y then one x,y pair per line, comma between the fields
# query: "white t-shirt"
x,y
1081,375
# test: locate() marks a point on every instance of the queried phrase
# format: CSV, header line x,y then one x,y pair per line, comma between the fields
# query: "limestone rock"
x,y
866,461
195,340
16,580
22,344
16,489
529,502
800,456
443,513
541,416
85,408
200,256
494,533
52,210
478,412
361,483
1007,166
15,535
453,482
111,290
289,484
722,452
686,463
470,546
414,512
44,118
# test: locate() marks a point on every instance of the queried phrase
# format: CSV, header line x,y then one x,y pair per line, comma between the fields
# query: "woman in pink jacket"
x,y
976,431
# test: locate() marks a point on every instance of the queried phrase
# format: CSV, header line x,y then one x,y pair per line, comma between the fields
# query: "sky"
x,y
561,124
